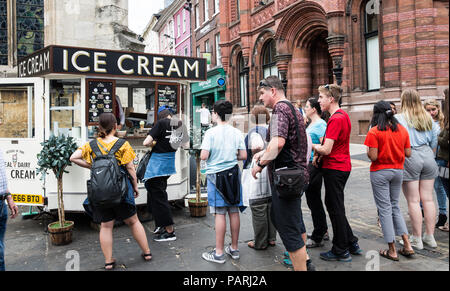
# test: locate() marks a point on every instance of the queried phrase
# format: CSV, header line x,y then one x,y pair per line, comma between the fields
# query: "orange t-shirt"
x,y
391,147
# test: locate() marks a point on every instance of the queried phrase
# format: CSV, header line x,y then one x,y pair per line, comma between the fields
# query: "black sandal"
x,y
144,256
113,264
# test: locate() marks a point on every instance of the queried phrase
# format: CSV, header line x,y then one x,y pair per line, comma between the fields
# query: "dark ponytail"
x,y
383,117
107,122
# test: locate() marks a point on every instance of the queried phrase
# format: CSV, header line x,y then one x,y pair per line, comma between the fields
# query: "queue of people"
x,y
408,151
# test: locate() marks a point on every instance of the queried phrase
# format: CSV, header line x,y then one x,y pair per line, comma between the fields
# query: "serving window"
x,y
65,107
17,118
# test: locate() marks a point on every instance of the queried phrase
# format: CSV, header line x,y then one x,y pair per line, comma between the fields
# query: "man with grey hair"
x,y
284,151
5,195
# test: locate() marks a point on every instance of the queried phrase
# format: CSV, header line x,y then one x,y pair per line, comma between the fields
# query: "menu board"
x,y
100,98
167,94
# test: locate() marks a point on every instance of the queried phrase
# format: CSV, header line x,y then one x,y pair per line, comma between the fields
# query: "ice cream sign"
x,y
18,168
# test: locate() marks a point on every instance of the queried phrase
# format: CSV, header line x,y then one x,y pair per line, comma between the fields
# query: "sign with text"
x,y
88,61
100,98
28,199
167,94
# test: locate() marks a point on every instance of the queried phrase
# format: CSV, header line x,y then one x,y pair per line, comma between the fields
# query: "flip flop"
x,y
406,253
385,254
251,244
145,256
112,264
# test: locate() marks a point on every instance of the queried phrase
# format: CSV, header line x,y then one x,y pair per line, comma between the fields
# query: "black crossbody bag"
x,y
291,183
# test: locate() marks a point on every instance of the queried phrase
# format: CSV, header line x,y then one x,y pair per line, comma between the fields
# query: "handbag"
x,y
290,183
443,172
252,188
142,167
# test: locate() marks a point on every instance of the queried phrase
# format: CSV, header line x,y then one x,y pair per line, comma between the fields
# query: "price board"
x,y
167,94
100,98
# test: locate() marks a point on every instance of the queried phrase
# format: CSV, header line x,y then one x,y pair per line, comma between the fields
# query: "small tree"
x,y
55,156
196,138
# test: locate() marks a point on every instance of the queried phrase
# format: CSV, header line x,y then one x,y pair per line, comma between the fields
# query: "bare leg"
x,y
412,194
221,227
298,259
235,225
139,234
106,240
429,207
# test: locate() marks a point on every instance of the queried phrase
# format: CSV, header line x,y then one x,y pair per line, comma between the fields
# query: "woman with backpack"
x,y
388,145
126,210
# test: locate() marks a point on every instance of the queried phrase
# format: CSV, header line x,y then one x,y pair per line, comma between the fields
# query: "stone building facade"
x,y
31,25
373,49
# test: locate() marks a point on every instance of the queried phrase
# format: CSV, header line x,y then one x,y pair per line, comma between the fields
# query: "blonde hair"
x,y
440,115
332,90
415,114
446,117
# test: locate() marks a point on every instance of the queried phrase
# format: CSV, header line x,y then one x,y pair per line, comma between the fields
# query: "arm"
x,y
372,153
408,152
324,149
204,155
275,146
242,155
148,141
132,171
77,159
12,206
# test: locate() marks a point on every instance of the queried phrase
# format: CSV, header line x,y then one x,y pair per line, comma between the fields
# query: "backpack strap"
x,y
119,143
95,149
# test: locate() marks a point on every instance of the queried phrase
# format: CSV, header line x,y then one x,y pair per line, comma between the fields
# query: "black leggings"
x,y
159,203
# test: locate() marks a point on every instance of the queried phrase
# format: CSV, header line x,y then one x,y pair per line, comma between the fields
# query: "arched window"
x,y
372,46
242,81
268,61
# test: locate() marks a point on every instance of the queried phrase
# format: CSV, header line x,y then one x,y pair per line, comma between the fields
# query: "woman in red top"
x,y
388,144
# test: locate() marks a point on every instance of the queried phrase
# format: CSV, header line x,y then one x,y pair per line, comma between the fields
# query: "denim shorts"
x,y
223,210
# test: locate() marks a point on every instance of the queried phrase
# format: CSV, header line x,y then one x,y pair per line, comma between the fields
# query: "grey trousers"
x,y
262,224
386,186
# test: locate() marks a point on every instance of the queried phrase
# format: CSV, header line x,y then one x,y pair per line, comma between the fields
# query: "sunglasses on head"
x,y
263,83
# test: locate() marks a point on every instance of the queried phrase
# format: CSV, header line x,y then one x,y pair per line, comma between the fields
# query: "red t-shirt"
x,y
338,129
391,147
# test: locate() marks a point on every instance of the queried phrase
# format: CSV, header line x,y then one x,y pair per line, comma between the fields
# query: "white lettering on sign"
x,y
75,58
120,65
157,66
35,64
143,64
174,68
192,67
98,61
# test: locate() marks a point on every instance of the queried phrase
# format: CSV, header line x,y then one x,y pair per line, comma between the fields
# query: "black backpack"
x,y
108,183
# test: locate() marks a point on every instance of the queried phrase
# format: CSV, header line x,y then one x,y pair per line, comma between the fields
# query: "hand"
x,y
136,191
255,170
119,127
12,207
316,161
258,155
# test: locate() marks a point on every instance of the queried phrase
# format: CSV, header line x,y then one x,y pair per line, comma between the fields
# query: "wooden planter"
x,y
198,209
61,236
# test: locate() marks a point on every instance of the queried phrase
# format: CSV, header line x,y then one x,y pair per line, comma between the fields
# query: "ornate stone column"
x,y
283,66
336,41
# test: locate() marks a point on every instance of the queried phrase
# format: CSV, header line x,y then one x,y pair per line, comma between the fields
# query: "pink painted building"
x,y
182,25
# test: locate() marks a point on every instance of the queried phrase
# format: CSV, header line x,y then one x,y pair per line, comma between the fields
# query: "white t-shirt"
x,y
205,116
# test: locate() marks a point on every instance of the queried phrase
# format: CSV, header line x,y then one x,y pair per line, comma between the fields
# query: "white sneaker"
x,y
429,240
416,242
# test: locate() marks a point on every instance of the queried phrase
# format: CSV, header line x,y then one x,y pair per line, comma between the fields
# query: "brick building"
x,y
373,49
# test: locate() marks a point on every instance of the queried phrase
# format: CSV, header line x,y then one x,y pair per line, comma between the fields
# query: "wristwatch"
x,y
259,165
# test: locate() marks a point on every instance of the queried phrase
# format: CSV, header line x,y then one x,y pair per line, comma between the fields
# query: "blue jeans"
x,y
3,219
441,194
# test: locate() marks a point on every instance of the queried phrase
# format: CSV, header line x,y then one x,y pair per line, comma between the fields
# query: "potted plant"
x,y
55,156
198,206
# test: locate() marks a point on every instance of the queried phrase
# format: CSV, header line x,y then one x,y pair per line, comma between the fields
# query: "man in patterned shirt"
x,y
4,195
284,151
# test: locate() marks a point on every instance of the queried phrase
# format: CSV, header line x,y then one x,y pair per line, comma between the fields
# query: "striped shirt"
x,y
3,180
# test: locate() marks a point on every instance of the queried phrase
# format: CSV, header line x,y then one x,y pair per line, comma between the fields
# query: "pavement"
x,y
28,246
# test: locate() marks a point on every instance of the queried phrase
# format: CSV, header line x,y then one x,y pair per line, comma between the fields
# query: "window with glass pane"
x,y
197,16
372,51
65,106
238,12
206,9
17,112
3,33
269,65
218,52
30,26
216,6
242,82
